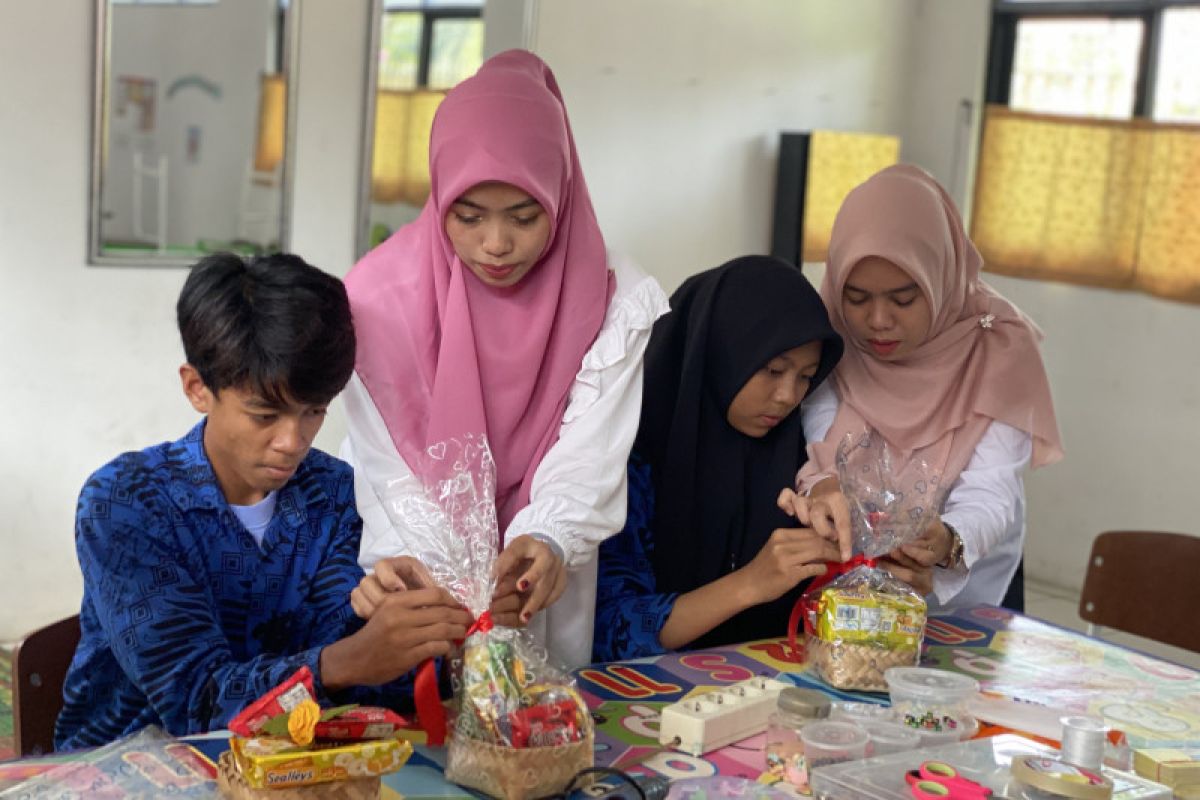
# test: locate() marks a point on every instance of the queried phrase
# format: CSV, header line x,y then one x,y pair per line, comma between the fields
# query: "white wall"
x,y
677,107
940,131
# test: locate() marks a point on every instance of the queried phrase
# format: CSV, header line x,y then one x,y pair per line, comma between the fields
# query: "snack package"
x,y
269,762
295,689
520,727
284,739
864,621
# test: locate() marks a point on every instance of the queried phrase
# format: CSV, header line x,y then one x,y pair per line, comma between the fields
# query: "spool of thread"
x,y
1083,739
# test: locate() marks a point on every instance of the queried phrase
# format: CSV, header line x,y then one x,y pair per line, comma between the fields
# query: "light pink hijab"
x,y
981,361
443,354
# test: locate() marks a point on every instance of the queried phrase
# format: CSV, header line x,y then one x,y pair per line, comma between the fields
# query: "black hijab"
x,y
715,488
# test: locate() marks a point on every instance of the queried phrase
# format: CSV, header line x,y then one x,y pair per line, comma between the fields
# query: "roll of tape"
x,y
1061,779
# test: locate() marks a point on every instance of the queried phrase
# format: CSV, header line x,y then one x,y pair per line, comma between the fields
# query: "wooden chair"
x,y
1145,583
39,666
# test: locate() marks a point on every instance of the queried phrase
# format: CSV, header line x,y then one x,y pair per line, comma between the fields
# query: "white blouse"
x,y
578,493
986,505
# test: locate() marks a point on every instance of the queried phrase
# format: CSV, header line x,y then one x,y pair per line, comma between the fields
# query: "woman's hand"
x,y
537,572
390,575
789,556
903,568
929,549
825,510
913,563
506,604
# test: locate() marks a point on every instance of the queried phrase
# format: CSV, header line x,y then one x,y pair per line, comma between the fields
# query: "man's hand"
x,y
789,556
538,573
404,629
391,575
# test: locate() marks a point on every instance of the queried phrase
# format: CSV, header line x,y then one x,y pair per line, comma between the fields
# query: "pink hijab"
x,y
981,361
443,354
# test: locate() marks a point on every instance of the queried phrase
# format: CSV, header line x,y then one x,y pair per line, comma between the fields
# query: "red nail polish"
x,y
523,585
524,616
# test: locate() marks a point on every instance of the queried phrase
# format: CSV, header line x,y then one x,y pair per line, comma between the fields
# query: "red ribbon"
x,y
430,711
482,624
804,602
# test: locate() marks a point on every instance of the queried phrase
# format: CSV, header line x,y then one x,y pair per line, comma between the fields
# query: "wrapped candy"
x,y
864,621
520,729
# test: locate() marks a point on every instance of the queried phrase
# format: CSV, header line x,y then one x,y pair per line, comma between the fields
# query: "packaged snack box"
x,y
1176,767
277,762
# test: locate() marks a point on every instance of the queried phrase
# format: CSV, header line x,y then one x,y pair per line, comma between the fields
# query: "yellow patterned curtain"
x,y
1096,202
272,111
400,160
837,162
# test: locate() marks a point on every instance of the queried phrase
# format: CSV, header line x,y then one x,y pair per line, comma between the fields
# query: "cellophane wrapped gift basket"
x,y
520,727
864,621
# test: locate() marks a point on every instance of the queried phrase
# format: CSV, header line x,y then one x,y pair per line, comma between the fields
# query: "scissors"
x,y
935,779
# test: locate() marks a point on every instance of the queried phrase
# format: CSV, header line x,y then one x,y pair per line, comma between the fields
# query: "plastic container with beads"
x,y
832,742
783,749
933,702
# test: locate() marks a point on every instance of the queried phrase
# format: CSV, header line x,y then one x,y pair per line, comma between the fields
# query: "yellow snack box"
x,y
270,762
863,615
1175,766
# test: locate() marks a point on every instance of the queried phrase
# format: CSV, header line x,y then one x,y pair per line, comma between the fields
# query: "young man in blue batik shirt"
x,y
217,565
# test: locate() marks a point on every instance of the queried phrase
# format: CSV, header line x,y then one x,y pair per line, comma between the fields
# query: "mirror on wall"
x,y
191,129
420,49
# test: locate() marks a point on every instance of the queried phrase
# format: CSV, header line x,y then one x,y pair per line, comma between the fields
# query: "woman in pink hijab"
x,y
500,312
947,370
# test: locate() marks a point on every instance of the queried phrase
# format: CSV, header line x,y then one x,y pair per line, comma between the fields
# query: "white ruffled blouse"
x,y
578,494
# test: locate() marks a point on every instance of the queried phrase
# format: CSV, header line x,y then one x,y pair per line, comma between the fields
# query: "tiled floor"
x,y
1061,607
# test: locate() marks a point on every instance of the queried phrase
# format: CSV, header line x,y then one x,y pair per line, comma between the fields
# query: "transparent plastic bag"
x,y
147,764
513,705
864,621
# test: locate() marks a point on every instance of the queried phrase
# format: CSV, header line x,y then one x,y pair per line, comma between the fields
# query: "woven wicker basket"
x,y
513,774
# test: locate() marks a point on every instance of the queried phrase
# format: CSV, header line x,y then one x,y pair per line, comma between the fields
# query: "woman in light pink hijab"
x,y
947,370
500,312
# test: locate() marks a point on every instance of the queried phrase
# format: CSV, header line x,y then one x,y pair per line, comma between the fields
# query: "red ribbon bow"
x,y
430,711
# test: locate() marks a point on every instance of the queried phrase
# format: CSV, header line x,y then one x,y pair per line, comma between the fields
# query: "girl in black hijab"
x,y
706,557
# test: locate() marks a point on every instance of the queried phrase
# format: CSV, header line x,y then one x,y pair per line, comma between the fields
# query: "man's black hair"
x,y
274,325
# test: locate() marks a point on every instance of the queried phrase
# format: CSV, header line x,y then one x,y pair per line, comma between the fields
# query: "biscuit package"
x,y
284,739
864,621
520,727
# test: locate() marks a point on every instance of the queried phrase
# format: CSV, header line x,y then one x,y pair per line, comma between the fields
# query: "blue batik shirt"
x,y
630,611
185,618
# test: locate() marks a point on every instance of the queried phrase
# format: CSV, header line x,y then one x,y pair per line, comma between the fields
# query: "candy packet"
x,y
520,727
861,621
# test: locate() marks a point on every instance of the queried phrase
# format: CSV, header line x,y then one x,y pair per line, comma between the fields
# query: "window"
x,y
429,45
1177,88
1084,67
1089,167
425,48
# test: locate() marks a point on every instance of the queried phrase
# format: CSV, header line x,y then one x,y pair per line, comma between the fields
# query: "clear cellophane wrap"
x,y
865,621
521,728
